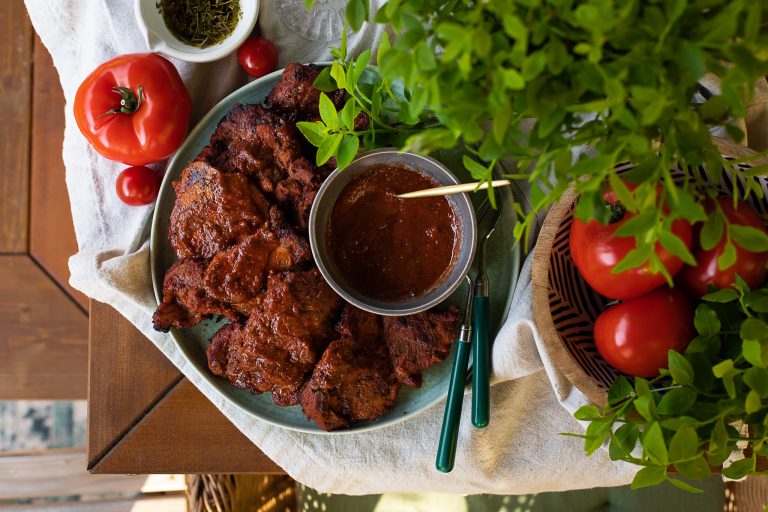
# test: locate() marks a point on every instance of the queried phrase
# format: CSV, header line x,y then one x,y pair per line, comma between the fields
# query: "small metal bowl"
x,y
323,206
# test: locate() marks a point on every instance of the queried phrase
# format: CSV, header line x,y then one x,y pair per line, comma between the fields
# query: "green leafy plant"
x,y
536,82
388,120
690,418
533,81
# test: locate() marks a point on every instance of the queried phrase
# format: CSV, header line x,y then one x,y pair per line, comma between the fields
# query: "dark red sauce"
x,y
389,248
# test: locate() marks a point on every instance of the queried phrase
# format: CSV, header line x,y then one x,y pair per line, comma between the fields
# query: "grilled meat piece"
x,y
185,299
283,338
213,211
227,338
294,96
359,324
255,141
420,341
354,380
239,274
296,199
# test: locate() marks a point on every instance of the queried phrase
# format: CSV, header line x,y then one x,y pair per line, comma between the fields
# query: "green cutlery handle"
x,y
446,450
481,362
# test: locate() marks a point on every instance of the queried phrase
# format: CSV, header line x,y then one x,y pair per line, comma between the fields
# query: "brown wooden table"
x,y
144,416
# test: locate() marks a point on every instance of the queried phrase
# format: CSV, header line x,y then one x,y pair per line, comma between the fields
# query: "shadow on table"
x,y
663,498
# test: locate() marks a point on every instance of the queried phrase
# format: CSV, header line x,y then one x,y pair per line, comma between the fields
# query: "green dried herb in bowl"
x,y
200,23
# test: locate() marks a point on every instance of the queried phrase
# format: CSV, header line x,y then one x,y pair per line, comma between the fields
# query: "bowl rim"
x,y
157,43
469,239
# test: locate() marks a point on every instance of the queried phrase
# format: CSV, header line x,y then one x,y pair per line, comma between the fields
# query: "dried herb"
x,y
200,23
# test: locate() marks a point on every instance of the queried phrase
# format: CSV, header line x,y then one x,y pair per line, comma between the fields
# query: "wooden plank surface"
x,y
44,336
128,375
52,236
185,433
171,503
59,473
16,79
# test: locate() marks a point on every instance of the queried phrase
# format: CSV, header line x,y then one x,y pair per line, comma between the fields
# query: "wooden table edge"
x,y
164,426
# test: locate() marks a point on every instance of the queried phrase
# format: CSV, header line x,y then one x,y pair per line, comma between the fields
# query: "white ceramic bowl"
x,y
161,40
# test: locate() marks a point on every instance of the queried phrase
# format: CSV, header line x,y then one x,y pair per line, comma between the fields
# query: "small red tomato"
x,y
258,56
750,266
137,186
635,336
596,249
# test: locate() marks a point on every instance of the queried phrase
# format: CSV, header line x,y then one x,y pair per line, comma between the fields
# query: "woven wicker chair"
x,y
241,493
268,493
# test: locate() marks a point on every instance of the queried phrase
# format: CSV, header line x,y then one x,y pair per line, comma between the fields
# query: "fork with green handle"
x,y
481,357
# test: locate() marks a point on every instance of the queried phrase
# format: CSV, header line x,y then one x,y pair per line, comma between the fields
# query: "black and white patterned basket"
x,y
565,307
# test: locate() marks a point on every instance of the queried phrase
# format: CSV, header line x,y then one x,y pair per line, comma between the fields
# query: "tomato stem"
x,y
129,102
617,212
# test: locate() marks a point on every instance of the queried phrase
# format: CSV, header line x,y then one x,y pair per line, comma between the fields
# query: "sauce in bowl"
x,y
388,248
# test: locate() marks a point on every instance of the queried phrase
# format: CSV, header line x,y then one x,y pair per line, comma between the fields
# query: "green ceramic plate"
x,y
504,266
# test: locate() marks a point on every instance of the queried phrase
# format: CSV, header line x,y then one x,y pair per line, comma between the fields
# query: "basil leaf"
x,y
328,148
477,171
587,413
751,239
684,444
724,295
315,132
633,259
752,403
348,114
728,258
328,113
712,231
740,468
754,352
357,12
347,151
677,401
706,321
696,469
596,434
324,81
753,329
676,246
757,380
655,446
620,390
646,406
339,75
649,476
623,441
638,224
683,486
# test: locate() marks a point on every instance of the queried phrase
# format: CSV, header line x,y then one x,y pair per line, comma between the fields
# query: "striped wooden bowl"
x,y
565,307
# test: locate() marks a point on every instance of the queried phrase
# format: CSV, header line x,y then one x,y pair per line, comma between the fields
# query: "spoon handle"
x,y
481,362
449,434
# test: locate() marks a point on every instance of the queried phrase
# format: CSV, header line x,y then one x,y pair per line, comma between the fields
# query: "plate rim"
x,y
166,183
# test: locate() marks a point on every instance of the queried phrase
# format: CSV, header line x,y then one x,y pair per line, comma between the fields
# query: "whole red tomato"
x,y
750,266
258,56
596,249
137,186
635,336
134,109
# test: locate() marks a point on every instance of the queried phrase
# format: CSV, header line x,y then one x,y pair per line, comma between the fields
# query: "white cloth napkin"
x,y
531,402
